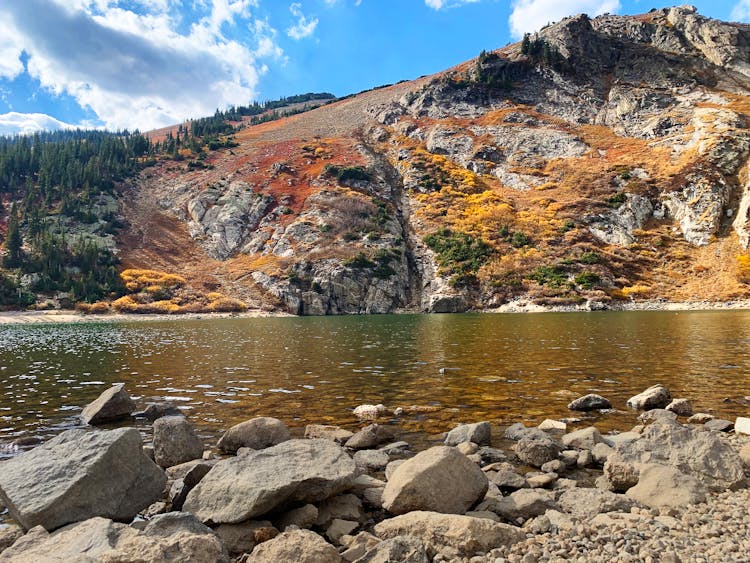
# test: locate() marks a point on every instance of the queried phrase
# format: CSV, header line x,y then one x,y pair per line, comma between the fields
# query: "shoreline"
x,y
59,316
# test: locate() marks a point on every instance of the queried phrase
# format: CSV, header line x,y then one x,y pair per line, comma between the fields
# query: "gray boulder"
x,y
157,410
439,479
719,425
257,433
465,534
681,407
78,475
335,433
660,485
371,460
590,402
536,448
586,503
583,439
655,397
369,437
295,471
181,487
112,405
521,505
298,546
404,549
175,441
480,433
504,476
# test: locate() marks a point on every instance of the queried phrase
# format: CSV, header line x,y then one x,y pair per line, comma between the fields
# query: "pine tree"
x,y
526,44
13,241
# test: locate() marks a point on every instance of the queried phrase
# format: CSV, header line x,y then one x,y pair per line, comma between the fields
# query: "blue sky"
x,y
149,63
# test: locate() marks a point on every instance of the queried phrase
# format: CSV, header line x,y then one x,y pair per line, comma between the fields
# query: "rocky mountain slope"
x,y
598,161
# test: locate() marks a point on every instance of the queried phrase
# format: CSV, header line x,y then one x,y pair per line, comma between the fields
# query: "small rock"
x,y
175,441
369,437
467,448
550,424
585,459
257,433
719,425
700,418
299,546
492,455
404,549
584,439
522,504
590,402
396,448
554,466
369,412
112,405
302,517
505,476
681,407
335,433
601,452
480,433
515,431
541,480
586,503
613,440
8,536
371,460
536,449
339,528
243,537
340,507
742,425
655,397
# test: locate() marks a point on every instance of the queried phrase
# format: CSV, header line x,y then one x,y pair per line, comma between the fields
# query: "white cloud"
x,y
136,70
531,15
440,4
13,123
304,27
741,11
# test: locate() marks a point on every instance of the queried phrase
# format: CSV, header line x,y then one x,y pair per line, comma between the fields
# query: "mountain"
x,y
596,162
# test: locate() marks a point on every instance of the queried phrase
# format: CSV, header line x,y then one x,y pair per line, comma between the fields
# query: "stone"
x,y
363,482
613,440
357,546
369,412
298,546
157,410
480,433
569,458
619,474
173,537
335,433
536,449
656,414
369,437
590,402
742,425
719,425
601,452
343,507
585,459
698,453
700,418
660,485
745,455
521,505
421,482
559,520
112,405
549,424
181,487
374,496
295,471
655,397
586,503
175,441
80,474
468,449
436,531
489,455
584,439
404,549
242,538
396,448
302,517
554,466
516,431
541,480
9,533
681,407
504,476
257,433
371,460
339,528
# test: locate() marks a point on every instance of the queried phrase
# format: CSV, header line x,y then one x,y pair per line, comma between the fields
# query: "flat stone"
x,y
657,414
334,433
506,477
521,505
590,402
396,448
112,405
339,528
371,460
257,433
542,480
700,418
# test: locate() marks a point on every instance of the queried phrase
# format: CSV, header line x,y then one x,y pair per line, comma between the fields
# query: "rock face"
x,y
480,433
175,441
78,475
421,482
659,485
257,434
295,471
112,405
590,402
655,397
465,534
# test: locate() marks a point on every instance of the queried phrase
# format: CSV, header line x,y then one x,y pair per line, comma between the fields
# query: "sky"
x,y
145,64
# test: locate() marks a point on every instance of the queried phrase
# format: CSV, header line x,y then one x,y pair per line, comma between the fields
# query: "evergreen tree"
x,y
13,241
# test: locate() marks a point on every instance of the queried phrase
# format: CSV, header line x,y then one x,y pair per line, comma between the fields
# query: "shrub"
x,y
519,240
617,200
347,173
743,268
589,258
125,304
458,252
226,305
587,280
553,276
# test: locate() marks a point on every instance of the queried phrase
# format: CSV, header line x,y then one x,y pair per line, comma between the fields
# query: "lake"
x,y
450,368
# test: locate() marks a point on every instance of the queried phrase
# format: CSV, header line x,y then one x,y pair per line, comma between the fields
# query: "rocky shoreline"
x,y
665,490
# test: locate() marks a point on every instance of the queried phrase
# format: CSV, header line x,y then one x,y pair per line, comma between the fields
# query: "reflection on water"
x,y
504,368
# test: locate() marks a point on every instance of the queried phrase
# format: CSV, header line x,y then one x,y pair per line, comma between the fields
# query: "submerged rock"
x,y
590,402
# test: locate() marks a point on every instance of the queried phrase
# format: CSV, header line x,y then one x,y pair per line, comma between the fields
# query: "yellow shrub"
x,y
226,305
135,279
99,308
635,291
743,268
214,295
125,304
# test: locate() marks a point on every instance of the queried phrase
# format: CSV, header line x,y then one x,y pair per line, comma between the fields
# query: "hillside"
x,y
596,162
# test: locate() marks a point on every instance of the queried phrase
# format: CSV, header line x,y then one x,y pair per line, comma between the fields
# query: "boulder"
x,y
371,460
181,487
586,503
681,407
335,433
467,448
620,474
295,471
369,412
585,459
480,433
112,405
257,433
742,425
392,466
436,531
175,441
242,538
657,414
655,397
504,476
745,455
341,507
536,448
157,410
369,437
78,475
517,431
489,455
339,528
719,425
541,480
584,439
693,452
660,485
302,517
404,549
9,533
175,539
439,479
521,505
601,452
590,402
556,425
298,546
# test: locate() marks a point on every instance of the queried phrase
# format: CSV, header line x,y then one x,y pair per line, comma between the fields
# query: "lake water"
x,y
452,368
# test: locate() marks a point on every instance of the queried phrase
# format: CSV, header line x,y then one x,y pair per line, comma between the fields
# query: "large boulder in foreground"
x,y
466,534
655,397
256,434
440,479
693,452
298,546
78,475
295,471
175,441
172,537
112,405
